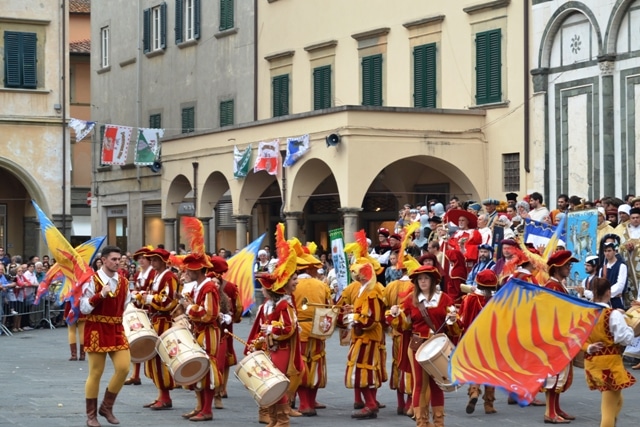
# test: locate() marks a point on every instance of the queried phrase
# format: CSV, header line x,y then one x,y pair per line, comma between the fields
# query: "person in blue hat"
x,y
485,261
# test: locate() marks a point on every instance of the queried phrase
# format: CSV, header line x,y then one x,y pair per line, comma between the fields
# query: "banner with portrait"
x,y
582,227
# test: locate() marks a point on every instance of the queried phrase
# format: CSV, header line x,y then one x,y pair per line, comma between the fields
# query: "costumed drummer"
x,y
313,292
202,305
277,328
486,283
425,311
603,365
141,282
159,300
104,298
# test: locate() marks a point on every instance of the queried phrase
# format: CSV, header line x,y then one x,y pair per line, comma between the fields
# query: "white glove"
x,y
148,299
225,318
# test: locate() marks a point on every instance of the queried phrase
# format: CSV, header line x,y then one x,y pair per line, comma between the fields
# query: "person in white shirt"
x,y
538,211
585,290
614,269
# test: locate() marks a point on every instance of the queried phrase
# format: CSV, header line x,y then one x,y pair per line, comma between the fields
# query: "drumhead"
x,y
431,348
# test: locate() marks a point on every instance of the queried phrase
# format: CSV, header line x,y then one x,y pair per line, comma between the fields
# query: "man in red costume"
x,y
103,300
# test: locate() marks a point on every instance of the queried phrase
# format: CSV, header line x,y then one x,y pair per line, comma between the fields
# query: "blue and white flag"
x,y
540,233
296,148
81,127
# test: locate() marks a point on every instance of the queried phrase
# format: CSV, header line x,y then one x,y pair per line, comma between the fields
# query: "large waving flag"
x,y
72,265
87,250
540,233
524,334
240,272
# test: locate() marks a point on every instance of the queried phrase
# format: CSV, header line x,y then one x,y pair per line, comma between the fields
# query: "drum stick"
x,y
226,331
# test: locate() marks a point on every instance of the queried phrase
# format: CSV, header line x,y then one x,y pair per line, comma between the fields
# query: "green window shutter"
x,y
188,119
146,30
372,80
155,121
322,87
424,76
12,65
226,14
280,90
179,21
489,67
226,113
163,26
29,61
196,19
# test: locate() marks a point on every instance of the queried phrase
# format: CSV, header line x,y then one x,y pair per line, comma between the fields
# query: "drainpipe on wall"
x,y
255,60
527,139
64,118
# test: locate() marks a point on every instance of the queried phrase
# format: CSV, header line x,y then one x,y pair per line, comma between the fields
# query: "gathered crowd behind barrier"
x,y
18,316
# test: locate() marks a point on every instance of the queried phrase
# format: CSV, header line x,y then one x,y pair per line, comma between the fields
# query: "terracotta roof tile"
x,y
80,6
81,46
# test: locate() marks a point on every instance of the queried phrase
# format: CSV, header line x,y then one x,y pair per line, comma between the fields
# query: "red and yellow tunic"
x,y
103,331
605,370
471,306
285,353
312,348
144,279
203,314
394,294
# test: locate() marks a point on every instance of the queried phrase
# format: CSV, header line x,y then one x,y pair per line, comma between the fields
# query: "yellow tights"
x,y
71,331
121,360
610,407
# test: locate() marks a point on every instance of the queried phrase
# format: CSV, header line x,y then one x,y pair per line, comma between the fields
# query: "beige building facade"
x,y
427,101
35,154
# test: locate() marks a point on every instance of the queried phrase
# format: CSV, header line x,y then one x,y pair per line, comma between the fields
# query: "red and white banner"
x,y
115,144
268,157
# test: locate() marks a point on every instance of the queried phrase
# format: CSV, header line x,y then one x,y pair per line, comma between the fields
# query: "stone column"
x,y
292,225
170,234
206,230
607,65
351,217
539,115
241,230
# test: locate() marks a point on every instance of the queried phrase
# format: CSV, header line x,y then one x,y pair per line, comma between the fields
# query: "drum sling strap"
x,y
417,340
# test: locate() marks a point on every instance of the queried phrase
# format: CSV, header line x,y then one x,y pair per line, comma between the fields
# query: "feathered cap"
x,y
286,266
304,258
193,233
404,259
360,249
196,262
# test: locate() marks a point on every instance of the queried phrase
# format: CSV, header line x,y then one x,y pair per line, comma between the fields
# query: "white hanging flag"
x,y
82,128
115,144
268,155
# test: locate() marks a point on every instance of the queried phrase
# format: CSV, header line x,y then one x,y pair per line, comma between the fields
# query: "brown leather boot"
x,y
474,394
272,414
422,416
438,416
107,406
82,354
282,415
74,352
489,397
263,415
92,406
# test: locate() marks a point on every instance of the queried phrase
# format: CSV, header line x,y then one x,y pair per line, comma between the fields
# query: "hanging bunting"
x,y
115,144
241,161
296,148
148,146
82,128
268,155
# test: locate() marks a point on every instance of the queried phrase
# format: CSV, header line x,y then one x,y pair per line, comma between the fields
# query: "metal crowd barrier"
x,y
25,315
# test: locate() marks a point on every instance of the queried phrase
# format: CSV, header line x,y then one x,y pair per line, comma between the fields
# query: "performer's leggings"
x,y
610,407
71,331
121,360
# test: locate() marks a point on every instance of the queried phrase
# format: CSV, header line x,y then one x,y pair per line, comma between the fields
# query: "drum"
x,y
324,323
140,333
633,320
186,360
578,361
434,355
182,321
260,376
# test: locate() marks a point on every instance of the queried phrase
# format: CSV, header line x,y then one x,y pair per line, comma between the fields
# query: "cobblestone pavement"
x,y
40,387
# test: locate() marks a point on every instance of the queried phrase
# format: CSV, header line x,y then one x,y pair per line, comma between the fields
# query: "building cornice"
x,y
435,19
280,55
322,45
371,33
25,21
489,5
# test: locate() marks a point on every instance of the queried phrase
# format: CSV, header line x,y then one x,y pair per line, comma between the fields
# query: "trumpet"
x,y
306,304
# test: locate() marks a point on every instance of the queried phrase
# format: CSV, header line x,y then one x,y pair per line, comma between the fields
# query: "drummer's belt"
x,y
607,351
113,320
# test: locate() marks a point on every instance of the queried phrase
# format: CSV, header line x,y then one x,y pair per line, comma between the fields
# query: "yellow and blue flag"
x,y
241,272
524,334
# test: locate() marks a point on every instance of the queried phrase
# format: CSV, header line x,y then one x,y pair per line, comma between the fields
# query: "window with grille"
x,y
20,60
489,67
322,87
187,22
104,47
511,171
424,76
188,119
280,95
372,80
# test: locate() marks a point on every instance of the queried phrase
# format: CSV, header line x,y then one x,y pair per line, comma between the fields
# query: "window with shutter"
x,y
226,15
372,80
20,60
424,76
187,20
280,92
489,67
155,121
104,47
179,19
226,113
188,119
146,30
322,87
